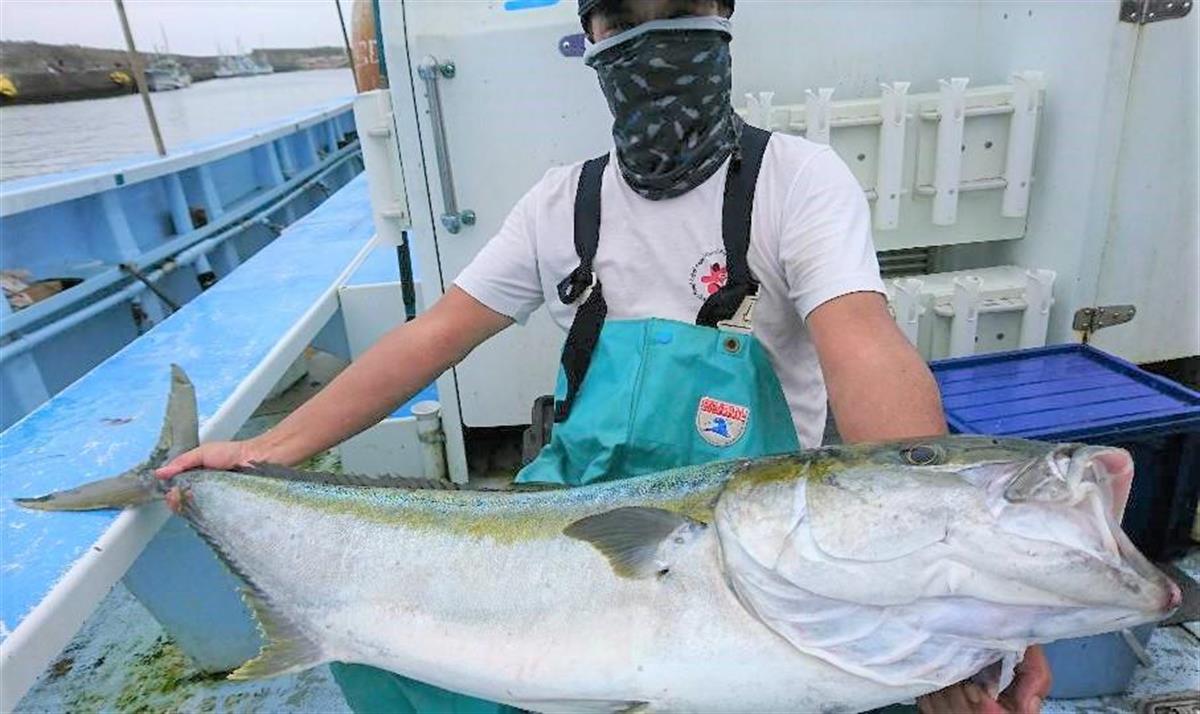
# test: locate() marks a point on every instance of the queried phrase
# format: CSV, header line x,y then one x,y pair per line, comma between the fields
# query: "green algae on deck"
x,y
160,679
115,662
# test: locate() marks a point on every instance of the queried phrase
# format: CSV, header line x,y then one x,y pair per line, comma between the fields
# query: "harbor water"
x,y
49,138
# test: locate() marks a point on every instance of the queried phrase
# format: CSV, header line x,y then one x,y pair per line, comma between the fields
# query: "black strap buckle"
x,y
572,287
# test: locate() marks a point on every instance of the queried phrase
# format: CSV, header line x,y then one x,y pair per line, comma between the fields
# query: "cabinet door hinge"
x,y
1141,12
1089,319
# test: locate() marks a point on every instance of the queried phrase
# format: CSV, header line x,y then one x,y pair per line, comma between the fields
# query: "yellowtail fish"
x,y
835,580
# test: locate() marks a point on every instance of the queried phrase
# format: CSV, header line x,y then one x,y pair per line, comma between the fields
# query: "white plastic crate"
x,y
973,311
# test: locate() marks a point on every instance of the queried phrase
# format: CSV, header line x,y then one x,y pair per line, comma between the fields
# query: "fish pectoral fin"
x,y
638,542
287,648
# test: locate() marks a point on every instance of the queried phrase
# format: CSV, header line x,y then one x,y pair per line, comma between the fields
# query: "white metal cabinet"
x,y
1114,205
1151,251
514,107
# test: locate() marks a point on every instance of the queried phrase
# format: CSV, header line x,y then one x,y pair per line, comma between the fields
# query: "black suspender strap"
x,y
584,334
589,317
735,228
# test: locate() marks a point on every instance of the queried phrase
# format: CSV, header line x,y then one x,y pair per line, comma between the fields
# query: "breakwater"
x,y
33,72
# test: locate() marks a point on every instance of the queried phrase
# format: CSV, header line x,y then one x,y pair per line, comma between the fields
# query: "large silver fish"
x,y
838,579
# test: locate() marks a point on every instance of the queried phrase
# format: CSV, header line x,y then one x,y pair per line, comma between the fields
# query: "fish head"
x,y
1053,512
973,545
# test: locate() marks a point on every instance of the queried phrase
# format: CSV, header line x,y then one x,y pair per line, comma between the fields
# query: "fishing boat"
x,y
1020,197
241,65
165,74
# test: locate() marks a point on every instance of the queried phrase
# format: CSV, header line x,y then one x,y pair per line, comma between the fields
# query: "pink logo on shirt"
x,y
715,279
709,274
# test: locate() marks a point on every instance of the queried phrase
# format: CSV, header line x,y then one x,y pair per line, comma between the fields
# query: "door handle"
x,y
430,70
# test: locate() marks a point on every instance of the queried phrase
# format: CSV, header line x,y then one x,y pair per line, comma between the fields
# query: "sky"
x,y
194,27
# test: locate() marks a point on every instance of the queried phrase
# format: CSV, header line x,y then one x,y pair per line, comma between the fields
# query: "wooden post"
x,y
139,73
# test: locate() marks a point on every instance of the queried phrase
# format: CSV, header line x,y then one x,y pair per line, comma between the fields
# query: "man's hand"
x,y
217,455
1023,696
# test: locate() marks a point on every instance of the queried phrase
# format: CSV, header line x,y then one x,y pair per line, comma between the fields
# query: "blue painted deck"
x,y
109,420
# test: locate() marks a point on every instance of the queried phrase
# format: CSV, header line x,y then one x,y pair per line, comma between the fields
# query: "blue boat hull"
x,y
144,237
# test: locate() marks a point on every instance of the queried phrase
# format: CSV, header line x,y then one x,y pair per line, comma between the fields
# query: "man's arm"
x,y
396,367
878,385
880,388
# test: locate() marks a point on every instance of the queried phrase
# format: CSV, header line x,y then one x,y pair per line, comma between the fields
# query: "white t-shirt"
x,y
810,242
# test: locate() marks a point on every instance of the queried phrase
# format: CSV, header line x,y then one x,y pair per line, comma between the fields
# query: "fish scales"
x,y
490,610
838,579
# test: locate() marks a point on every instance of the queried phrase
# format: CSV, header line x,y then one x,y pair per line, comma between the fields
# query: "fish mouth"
x,y
1111,470
1095,482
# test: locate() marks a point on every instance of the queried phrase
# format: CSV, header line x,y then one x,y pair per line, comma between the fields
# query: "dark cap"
x,y
586,6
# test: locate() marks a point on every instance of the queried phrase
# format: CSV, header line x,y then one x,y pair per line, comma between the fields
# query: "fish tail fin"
x,y
181,423
128,489
180,433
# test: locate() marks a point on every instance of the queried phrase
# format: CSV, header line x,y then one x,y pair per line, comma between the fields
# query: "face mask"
x,y
667,83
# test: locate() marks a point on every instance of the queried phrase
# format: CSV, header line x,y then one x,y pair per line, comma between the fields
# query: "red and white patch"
x,y
721,423
708,274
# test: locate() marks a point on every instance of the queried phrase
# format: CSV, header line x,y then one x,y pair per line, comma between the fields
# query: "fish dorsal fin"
x,y
286,648
289,474
638,542
181,424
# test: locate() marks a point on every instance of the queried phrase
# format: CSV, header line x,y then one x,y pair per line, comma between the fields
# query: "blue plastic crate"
x,y
1078,393
1062,392
1094,666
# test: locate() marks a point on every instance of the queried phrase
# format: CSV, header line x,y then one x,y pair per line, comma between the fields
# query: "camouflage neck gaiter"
x,y
667,83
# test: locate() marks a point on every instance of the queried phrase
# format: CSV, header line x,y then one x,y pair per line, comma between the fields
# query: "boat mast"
x,y
139,71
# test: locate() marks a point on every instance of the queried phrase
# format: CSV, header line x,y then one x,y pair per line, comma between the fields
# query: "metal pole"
x,y
139,73
346,39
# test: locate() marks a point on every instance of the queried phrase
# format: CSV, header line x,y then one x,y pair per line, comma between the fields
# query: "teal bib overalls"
x,y
638,396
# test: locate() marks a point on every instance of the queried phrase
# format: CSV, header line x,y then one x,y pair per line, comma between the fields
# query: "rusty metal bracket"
x,y
1141,12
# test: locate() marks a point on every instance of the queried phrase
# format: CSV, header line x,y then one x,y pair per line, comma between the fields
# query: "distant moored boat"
x,y
165,74
241,66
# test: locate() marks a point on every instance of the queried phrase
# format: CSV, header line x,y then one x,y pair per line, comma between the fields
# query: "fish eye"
x,y
922,455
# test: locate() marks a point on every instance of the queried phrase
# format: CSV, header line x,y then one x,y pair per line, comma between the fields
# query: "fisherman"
x,y
651,257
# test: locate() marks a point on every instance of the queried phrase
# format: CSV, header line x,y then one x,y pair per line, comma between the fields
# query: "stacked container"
x,y
973,311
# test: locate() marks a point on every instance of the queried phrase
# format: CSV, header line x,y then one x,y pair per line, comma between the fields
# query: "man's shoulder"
x,y
791,154
558,181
